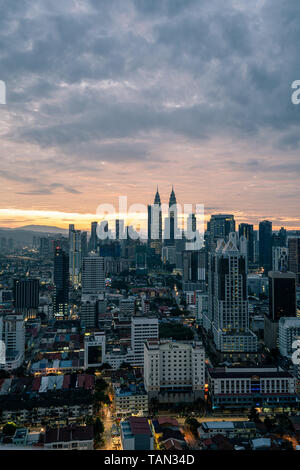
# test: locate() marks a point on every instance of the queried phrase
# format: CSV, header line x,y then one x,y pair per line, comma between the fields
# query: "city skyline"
x,y
136,219
109,99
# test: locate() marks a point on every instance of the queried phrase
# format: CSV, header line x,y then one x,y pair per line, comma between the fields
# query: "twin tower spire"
x,y
172,199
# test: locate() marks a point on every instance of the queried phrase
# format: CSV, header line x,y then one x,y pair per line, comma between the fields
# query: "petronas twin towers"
x,y
155,223
172,199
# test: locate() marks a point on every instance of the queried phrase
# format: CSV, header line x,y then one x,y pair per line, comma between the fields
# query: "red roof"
x,y
162,420
139,425
69,434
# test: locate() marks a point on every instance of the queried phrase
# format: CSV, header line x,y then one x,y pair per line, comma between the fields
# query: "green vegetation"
x,y
9,429
98,431
100,395
119,285
176,331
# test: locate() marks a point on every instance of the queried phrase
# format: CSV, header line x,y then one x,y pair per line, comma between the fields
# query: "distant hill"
x,y
23,236
43,229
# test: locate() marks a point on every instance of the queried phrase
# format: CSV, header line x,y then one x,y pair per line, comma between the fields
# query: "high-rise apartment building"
x,y
228,316
12,335
93,274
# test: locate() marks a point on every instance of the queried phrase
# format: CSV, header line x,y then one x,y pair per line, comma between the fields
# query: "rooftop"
x,y
69,434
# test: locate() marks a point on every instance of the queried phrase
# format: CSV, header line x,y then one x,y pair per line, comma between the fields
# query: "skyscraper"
x,y
294,257
282,295
84,246
93,275
228,316
219,227
265,245
279,258
61,283
26,297
119,229
282,303
194,270
89,310
12,333
75,256
142,328
171,222
93,242
45,247
155,225
246,231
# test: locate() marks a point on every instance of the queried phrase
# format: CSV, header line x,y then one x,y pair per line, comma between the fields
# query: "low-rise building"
x,y
246,387
130,400
136,434
229,429
69,438
50,399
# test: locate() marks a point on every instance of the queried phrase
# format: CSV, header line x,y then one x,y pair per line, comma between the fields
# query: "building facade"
x,y
247,387
174,371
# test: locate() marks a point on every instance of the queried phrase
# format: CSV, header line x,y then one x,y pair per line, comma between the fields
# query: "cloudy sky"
x,y
112,97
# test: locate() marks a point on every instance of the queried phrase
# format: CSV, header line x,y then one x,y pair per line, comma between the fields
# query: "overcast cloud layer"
x,y
113,97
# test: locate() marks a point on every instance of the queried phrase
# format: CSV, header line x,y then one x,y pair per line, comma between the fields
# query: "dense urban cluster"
x,y
164,343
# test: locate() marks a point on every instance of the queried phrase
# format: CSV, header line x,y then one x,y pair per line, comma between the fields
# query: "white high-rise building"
x,y
93,274
142,329
279,258
228,315
174,370
12,335
288,332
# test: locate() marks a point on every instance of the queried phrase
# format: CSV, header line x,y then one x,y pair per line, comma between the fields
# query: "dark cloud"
x,y
113,81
